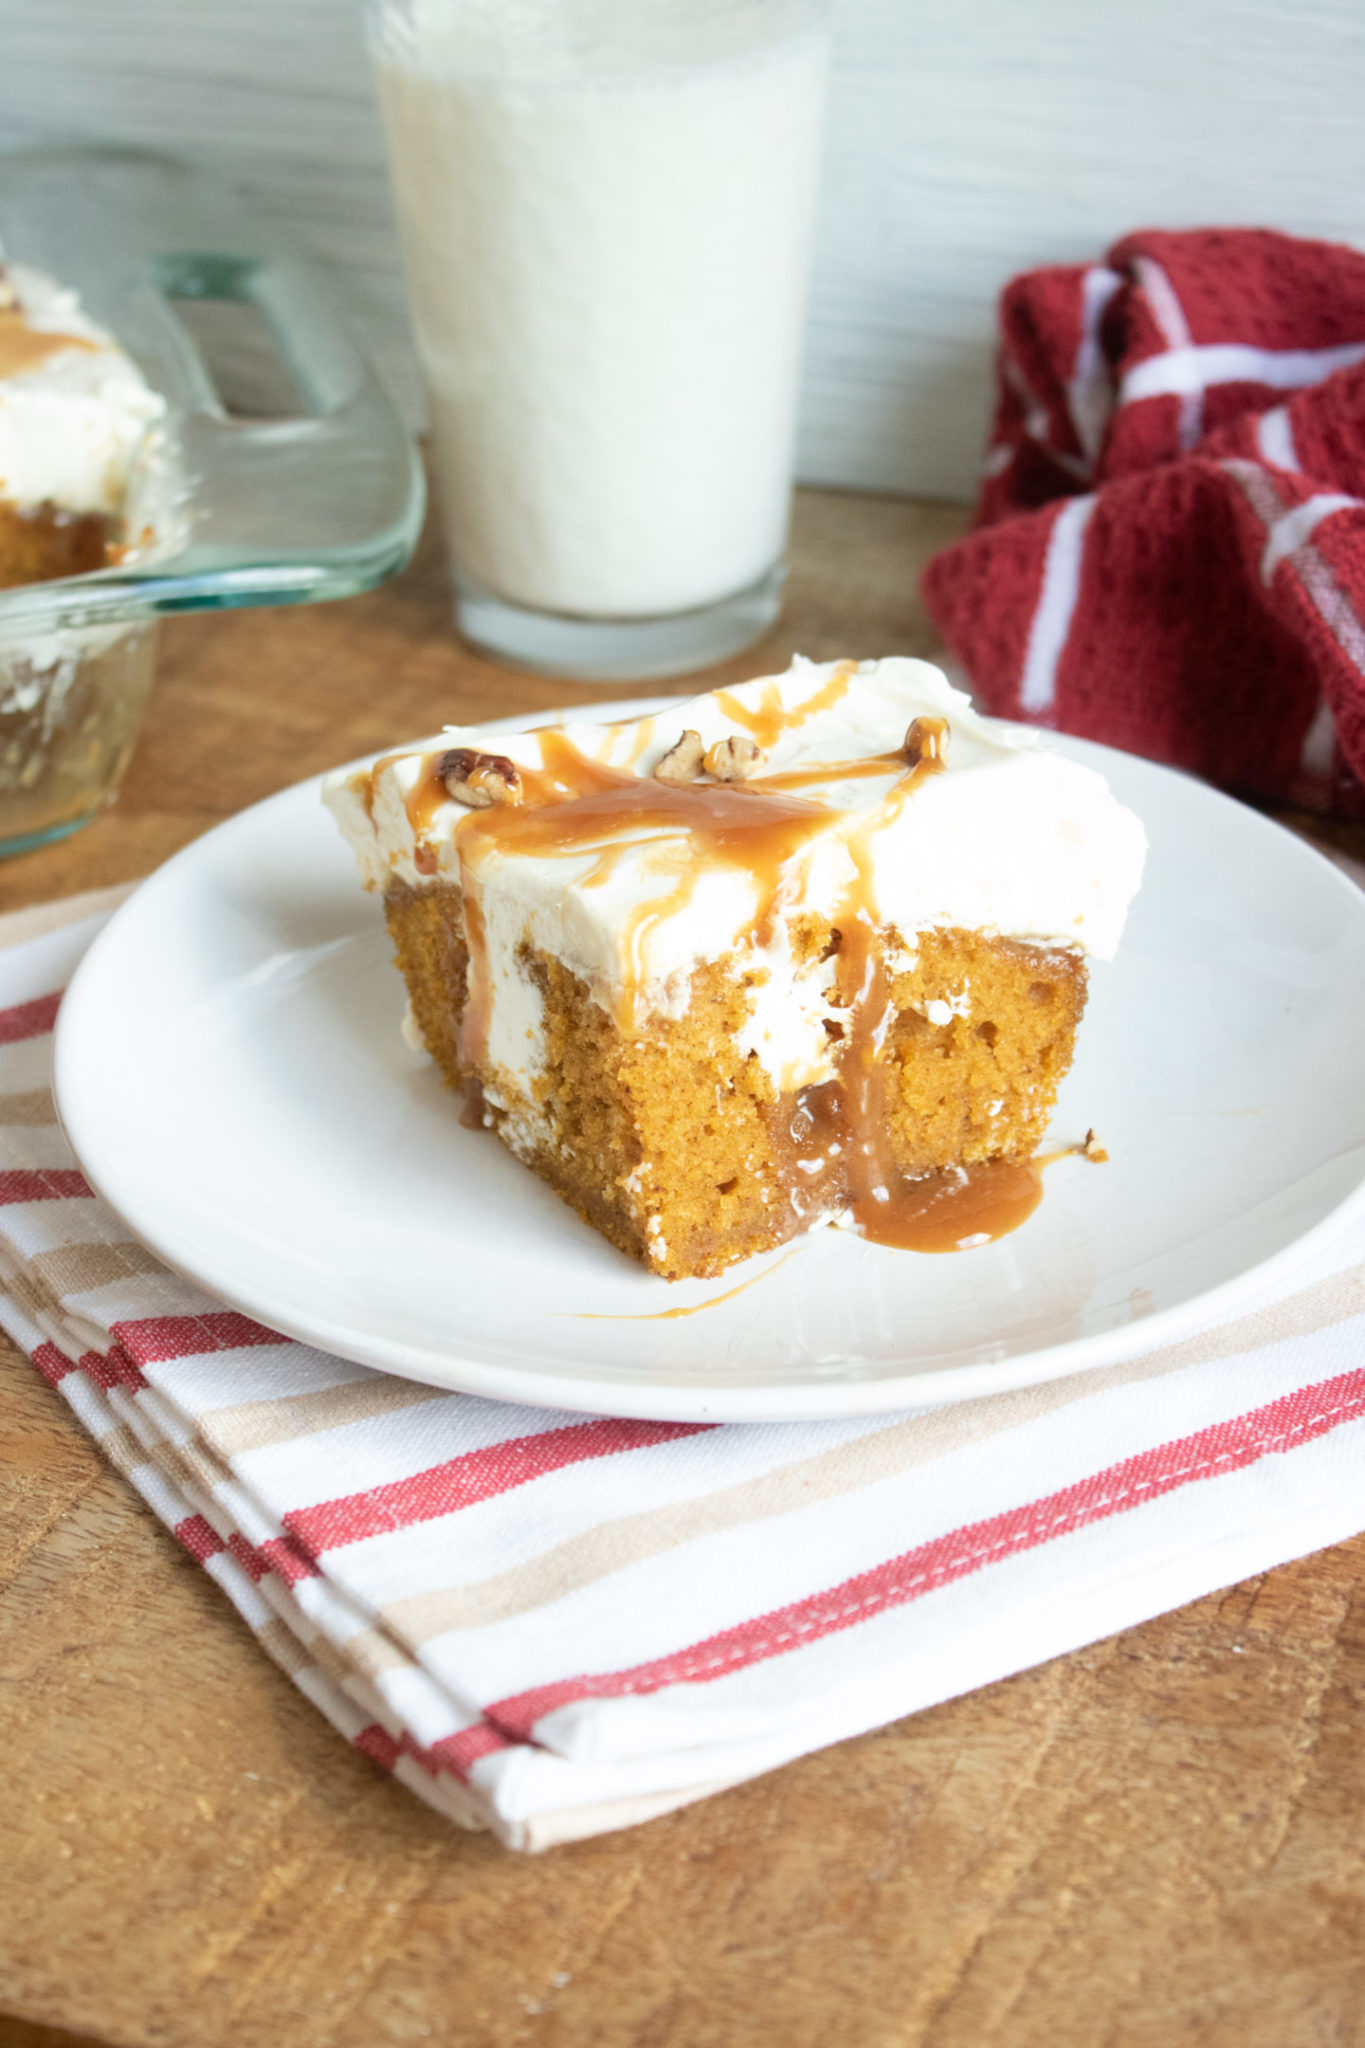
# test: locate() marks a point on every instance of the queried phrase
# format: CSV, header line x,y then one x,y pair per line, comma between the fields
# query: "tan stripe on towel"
x,y
123,1450
183,1466
280,1642
334,1660
192,1464
597,1552
28,1292
253,1424
372,1652
80,1268
30,1286
33,1107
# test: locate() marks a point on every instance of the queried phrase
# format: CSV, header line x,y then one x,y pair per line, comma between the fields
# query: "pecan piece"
x,y
733,759
479,780
682,762
926,743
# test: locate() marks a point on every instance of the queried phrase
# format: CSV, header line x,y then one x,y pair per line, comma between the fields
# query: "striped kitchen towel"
x,y
1170,544
553,1625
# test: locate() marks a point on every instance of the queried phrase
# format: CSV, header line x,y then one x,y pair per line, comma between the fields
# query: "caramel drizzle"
x,y
671,1315
787,779
23,348
769,720
574,804
846,1120
478,1000
641,741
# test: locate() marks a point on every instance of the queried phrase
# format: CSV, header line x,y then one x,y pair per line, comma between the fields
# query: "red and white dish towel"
x,y
1170,544
553,1625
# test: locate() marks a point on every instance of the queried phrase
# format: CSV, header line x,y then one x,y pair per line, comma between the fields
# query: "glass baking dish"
x,y
322,502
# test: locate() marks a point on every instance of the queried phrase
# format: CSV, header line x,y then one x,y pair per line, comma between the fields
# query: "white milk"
x,y
606,257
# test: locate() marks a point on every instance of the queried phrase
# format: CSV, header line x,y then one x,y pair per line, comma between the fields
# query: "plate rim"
x,y
644,1398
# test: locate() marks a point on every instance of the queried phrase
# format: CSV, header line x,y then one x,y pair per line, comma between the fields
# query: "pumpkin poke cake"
x,y
810,950
75,412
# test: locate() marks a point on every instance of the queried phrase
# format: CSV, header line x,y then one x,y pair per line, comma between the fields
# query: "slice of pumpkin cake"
x,y
809,950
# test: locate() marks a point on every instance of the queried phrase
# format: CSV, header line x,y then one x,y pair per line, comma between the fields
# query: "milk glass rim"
x,y
553,40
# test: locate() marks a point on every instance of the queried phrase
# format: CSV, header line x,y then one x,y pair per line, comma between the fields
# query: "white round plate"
x,y
230,1073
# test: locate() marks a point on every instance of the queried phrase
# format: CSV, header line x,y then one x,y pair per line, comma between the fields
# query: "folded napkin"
x,y
552,1625
1170,546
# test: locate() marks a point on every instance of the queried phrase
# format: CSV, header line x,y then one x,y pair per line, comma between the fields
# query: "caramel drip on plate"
x,y
671,1315
23,348
836,1143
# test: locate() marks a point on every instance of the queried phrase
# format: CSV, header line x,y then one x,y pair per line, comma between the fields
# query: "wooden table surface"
x,y
1158,1841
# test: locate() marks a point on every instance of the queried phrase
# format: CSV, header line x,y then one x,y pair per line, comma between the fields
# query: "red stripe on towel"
x,y
157,1338
42,1184
29,1020
280,1556
453,1754
248,1557
459,1753
377,1743
53,1364
199,1537
114,1370
1226,1447
479,1475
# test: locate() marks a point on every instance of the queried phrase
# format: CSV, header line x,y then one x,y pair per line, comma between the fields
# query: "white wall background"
x,y
968,139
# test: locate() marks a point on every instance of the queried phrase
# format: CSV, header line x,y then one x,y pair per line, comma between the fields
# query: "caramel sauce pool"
x,y
573,804
957,1210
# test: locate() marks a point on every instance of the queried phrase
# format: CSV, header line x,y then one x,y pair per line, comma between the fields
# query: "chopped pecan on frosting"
x,y
683,761
479,780
732,759
926,742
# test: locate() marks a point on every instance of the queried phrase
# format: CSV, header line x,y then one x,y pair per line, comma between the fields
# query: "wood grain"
x,y
1157,1841
967,140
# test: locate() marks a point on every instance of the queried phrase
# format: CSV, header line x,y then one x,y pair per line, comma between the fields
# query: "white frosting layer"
x,y
71,426
1012,840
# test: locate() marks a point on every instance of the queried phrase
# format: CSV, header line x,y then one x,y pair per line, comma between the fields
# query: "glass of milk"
x,y
605,211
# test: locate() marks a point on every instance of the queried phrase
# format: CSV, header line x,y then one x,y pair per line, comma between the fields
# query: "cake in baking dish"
x,y
74,413
787,954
